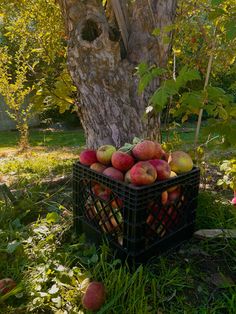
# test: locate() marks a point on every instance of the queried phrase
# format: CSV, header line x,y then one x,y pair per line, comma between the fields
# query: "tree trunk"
x,y
102,65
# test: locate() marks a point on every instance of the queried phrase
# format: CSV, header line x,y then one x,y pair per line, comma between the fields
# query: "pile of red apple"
x,y
145,163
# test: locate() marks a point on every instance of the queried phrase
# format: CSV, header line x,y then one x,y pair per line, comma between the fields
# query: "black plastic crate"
x,y
135,220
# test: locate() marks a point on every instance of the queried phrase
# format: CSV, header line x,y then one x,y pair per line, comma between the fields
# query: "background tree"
x,y
106,42
201,71
34,61
14,89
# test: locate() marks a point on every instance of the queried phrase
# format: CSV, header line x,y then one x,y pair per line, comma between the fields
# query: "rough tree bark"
x,y
102,65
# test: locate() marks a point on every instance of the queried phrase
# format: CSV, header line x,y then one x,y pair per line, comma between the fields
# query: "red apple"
x,y
87,157
114,173
122,161
6,285
172,175
144,150
159,152
94,296
127,177
164,197
162,168
104,154
116,203
165,156
180,162
174,195
174,217
143,173
97,166
101,191
150,219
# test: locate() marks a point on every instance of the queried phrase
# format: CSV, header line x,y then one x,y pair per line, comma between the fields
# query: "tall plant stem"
x,y
209,66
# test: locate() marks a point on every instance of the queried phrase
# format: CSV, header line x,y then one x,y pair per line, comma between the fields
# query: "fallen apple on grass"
x,y
6,285
94,296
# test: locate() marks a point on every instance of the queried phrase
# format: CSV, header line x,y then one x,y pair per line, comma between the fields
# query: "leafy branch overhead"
x,y
168,88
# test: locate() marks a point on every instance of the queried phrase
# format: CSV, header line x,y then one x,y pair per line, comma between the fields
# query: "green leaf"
x,y
216,2
222,113
186,75
144,82
156,31
233,112
193,100
230,30
142,68
52,217
13,246
171,87
159,98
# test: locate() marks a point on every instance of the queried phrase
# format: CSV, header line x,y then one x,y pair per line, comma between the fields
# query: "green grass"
x,y
51,264
8,139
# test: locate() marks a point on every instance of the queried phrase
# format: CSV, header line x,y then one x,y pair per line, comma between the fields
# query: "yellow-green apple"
x,y
6,285
104,154
94,296
87,157
144,150
101,191
143,173
122,161
114,173
180,162
127,177
162,168
97,166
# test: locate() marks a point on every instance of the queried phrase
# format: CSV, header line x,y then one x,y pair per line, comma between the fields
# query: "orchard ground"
x,y
51,264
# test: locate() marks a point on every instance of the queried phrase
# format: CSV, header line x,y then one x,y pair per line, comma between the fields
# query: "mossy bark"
x,y
103,67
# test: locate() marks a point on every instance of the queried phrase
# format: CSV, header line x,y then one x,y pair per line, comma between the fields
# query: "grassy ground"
x,y
8,139
52,265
